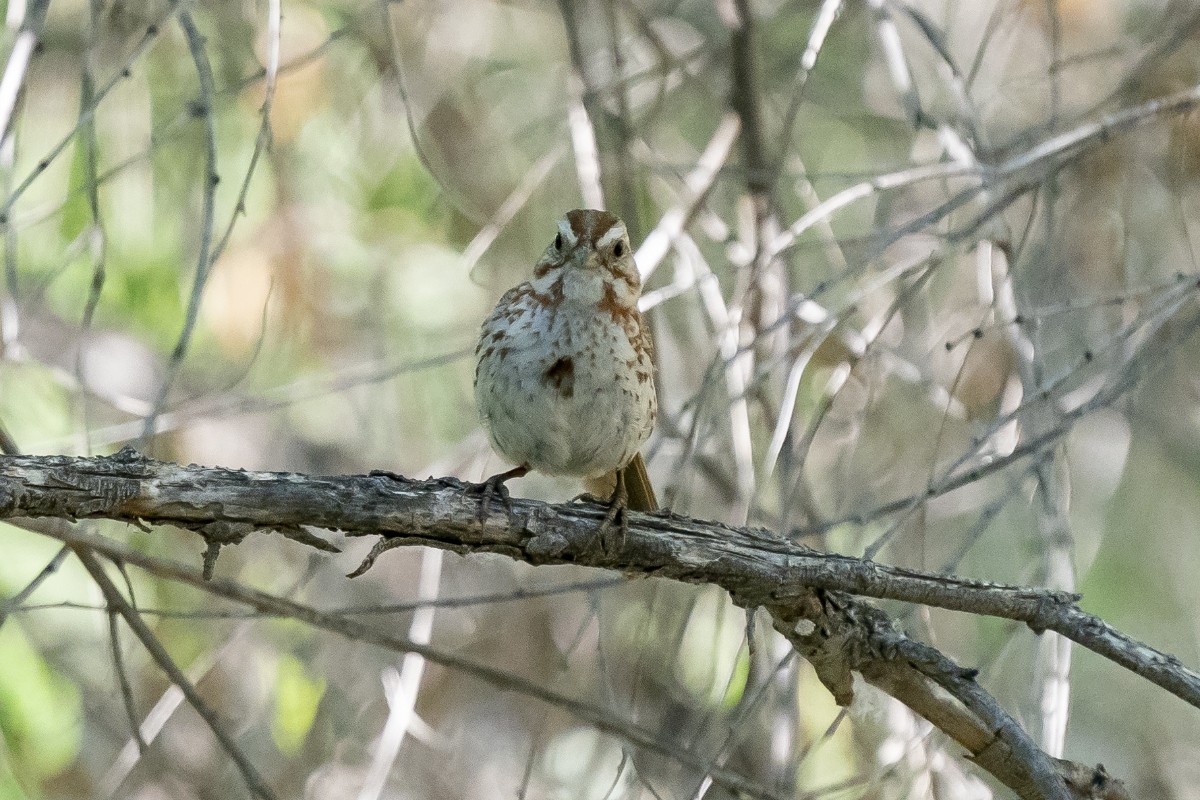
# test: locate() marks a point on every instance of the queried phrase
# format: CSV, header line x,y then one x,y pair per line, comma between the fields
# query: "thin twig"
x,y
18,61
397,64
203,108
271,399
148,38
97,235
169,131
966,469
584,146
15,602
515,596
678,217
263,141
1052,508
1042,158
402,697
957,85
622,124
357,631
118,657
817,34
117,602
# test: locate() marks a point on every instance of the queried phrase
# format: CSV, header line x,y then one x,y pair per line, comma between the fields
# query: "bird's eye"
x,y
619,249
558,242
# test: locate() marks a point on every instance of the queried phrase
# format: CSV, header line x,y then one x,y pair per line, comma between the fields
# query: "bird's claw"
x,y
615,527
588,497
489,489
492,487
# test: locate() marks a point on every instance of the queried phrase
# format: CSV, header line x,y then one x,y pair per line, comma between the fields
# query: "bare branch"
x,y
118,603
148,38
601,718
756,567
18,61
203,108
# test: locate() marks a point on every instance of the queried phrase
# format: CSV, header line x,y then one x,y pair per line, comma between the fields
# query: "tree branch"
x,y
810,595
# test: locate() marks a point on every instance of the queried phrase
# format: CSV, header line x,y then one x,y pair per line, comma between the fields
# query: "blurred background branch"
x,y
923,285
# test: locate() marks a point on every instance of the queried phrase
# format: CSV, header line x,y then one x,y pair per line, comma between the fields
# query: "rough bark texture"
x,y
812,597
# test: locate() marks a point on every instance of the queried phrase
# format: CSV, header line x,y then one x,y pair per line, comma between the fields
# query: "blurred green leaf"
x,y
33,403
39,709
10,788
407,185
297,696
712,652
75,212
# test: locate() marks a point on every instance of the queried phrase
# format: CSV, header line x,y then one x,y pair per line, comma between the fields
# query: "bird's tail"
x,y
637,485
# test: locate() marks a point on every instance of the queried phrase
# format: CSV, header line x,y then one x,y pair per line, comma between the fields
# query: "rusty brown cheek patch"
x,y
561,375
613,307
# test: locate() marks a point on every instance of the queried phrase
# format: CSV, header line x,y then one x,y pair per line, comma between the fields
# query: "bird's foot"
x,y
493,487
615,527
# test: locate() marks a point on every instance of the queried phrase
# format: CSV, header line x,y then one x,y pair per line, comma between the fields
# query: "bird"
x,y
564,379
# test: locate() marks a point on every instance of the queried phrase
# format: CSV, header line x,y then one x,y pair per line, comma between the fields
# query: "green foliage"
x,y
39,709
34,401
297,694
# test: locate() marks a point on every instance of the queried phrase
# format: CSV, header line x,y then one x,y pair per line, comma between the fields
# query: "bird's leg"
x,y
616,522
495,486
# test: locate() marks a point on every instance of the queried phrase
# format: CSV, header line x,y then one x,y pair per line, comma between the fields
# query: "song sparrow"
x,y
565,373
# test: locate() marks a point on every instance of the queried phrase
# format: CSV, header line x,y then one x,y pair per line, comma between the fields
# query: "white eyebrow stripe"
x,y
613,234
564,225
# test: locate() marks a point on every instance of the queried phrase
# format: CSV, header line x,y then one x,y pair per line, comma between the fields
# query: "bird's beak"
x,y
582,257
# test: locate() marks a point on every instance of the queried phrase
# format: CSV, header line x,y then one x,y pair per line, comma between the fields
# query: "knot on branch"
x,y
223,532
128,458
817,626
1092,782
1048,610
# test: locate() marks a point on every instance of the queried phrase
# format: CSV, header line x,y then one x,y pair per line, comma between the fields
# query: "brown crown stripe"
x,y
591,225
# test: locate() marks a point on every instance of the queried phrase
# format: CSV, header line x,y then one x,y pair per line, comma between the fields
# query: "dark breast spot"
x,y
561,375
